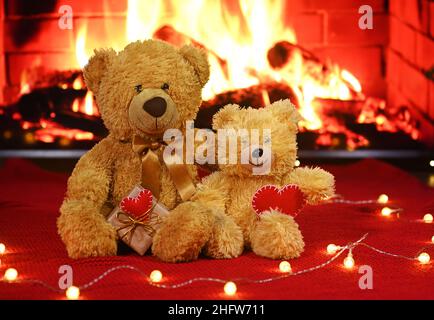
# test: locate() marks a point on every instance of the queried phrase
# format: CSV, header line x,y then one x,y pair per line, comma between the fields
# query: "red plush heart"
x,y
288,200
137,206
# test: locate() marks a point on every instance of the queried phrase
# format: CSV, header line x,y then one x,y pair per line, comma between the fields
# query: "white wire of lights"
x,y
230,287
73,292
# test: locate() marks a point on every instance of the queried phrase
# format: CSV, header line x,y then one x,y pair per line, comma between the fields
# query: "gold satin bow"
x,y
146,221
151,168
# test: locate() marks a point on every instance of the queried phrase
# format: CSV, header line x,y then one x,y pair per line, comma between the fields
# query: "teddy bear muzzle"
x,y
156,107
152,111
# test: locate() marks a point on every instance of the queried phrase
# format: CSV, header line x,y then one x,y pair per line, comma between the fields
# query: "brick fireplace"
x,y
410,55
394,61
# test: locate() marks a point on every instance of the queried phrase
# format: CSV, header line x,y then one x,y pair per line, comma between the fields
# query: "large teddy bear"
x,y
141,91
230,190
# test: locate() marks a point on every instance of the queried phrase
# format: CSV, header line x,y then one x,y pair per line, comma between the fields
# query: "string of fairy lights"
x,y
156,277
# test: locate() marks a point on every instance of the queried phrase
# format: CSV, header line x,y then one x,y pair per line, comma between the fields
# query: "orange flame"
x,y
241,35
89,107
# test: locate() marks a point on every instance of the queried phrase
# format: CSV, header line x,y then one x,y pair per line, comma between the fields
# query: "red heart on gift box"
x,y
139,205
288,199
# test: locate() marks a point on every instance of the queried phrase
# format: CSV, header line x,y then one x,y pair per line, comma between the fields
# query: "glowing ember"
x,y
25,86
53,131
78,84
89,107
76,105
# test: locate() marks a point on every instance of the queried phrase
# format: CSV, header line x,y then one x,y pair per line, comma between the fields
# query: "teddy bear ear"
x,y
224,116
97,67
284,110
198,59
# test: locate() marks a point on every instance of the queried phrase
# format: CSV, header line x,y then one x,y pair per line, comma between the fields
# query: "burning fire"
x,y
238,45
239,37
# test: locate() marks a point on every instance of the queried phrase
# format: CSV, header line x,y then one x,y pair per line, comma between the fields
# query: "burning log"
x,y
339,108
40,103
78,120
178,39
39,77
283,52
256,96
53,104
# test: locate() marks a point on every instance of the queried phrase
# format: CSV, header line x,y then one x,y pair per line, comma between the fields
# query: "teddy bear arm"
x,y
213,192
316,183
81,224
91,178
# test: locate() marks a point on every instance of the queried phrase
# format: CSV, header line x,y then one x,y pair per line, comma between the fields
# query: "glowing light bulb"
x,y
156,276
386,211
349,262
72,293
230,288
424,258
432,239
431,163
285,266
11,274
383,198
2,248
297,163
428,218
332,248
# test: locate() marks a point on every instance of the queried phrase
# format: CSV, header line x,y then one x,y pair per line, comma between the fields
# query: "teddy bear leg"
x,y
84,231
183,233
226,239
277,236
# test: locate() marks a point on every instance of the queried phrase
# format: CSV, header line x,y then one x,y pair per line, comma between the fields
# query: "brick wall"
x,y
330,29
2,54
54,48
411,55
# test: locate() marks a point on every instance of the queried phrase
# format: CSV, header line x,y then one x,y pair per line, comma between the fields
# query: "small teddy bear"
x,y
271,234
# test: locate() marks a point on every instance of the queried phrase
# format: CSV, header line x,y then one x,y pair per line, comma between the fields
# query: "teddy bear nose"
x,y
257,153
156,107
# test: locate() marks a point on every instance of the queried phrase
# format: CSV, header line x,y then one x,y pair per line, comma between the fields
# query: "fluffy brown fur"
x,y
109,171
230,190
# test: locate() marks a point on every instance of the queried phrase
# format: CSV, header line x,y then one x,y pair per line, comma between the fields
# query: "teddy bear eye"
x,y
165,86
138,88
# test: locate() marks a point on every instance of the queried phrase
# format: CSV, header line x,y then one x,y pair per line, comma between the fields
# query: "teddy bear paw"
x,y
276,236
87,236
226,240
183,233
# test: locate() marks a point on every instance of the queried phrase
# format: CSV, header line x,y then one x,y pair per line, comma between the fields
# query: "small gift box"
x,y
137,218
